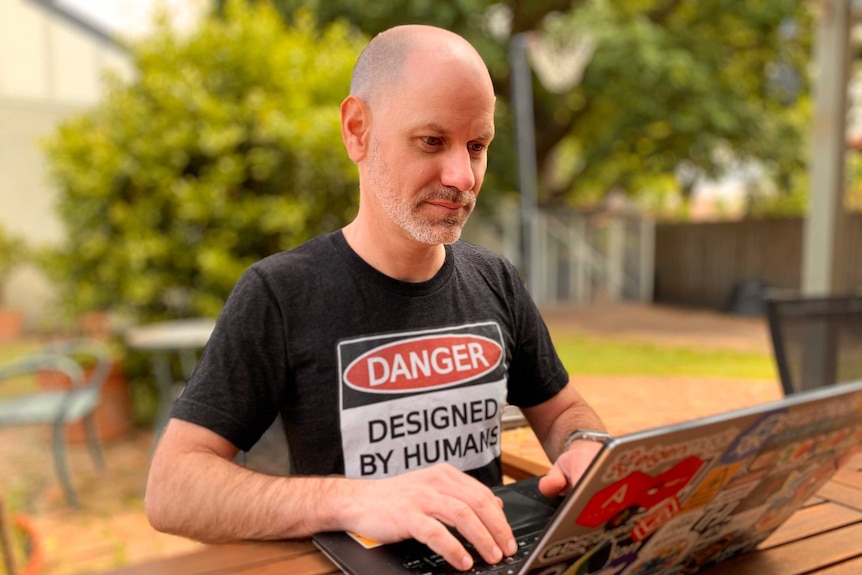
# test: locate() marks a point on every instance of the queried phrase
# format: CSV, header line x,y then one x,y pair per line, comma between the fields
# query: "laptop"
x,y
672,499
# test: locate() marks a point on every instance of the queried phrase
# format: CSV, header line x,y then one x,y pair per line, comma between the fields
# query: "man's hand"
x,y
422,504
568,468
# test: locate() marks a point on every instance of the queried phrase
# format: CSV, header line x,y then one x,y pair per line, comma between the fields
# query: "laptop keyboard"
x,y
435,564
527,522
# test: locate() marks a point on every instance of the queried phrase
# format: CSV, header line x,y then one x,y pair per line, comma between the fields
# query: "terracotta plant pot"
x,y
35,550
11,323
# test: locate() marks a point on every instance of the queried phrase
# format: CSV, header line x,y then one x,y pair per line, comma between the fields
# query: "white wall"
x,y
49,70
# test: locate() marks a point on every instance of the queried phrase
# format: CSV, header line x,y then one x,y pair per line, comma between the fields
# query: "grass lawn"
x,y
584,355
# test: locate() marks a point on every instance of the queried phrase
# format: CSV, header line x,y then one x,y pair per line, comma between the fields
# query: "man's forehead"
x,y
446,96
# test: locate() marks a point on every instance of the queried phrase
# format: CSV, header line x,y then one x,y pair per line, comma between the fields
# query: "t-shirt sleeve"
x,y
235,389
536,372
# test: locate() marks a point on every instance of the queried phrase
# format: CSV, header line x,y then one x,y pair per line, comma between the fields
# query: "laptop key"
x,y
499,569
434,564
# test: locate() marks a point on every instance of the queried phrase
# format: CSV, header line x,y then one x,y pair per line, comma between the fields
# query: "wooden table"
x,y
824,537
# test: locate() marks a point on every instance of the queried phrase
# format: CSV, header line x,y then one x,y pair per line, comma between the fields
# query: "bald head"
x,y
385,61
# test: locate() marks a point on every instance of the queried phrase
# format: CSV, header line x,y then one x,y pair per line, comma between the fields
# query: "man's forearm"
x,y
581,416
195,490
555,419
211,499
207,498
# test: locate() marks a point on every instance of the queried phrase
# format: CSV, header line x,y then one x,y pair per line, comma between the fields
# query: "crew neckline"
x,y
389,283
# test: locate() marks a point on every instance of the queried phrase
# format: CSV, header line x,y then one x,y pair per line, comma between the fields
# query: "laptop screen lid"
x,y
677,498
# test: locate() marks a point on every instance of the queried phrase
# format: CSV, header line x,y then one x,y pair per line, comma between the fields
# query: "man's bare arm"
x,y
552,421
195,490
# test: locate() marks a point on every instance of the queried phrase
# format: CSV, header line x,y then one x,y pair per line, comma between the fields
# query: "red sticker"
x,y
638,489
670,482
613,499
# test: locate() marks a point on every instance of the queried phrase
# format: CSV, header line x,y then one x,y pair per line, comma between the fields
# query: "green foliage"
x,y
223,149
853,199
673,91
467,17
689,91
13,252
789,203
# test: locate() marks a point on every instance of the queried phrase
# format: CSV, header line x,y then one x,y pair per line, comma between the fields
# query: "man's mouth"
x,y
446,204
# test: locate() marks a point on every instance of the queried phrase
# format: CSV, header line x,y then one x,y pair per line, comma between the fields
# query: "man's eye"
x,y
433,140
476,147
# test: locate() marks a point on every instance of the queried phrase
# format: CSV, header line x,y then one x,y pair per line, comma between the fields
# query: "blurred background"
x,y
660,166
663,151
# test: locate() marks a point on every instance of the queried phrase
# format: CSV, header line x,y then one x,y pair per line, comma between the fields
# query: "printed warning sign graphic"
x,y
416,399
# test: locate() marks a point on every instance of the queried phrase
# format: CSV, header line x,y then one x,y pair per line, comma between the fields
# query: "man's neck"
x,y
396,255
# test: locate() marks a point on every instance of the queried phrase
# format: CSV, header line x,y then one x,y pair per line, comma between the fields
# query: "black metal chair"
x,y
817,340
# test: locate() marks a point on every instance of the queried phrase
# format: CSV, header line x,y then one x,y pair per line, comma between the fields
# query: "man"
x,y
388,347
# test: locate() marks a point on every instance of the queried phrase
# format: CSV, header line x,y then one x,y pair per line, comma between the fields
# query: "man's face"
x,y
428,150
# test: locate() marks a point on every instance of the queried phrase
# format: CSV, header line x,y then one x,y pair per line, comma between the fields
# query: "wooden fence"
x,y
700,264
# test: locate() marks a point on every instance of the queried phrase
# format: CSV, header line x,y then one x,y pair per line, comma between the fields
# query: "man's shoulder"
x,y
476,255
474,250
312,253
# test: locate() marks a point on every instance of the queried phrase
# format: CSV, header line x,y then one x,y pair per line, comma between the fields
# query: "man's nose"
x,y
458,171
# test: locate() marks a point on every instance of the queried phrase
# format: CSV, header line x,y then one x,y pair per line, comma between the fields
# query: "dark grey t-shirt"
x,y
373,376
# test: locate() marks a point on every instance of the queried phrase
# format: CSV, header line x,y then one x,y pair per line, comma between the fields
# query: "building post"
x,y
824,225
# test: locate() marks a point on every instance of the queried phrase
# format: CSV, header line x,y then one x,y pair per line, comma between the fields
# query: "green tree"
x,y
13,252
224,148
676,91
672,90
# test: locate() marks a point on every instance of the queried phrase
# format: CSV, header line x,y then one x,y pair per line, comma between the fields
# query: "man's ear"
x,y
355,124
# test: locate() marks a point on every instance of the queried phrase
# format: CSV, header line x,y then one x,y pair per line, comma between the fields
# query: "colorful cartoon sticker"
x,y
710,486
592,561
764,460
754,438
624,554
678,528
655,518
813,480
714,519
705,555
663,558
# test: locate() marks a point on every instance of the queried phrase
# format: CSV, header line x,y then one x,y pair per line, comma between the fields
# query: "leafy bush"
x,y
224,148
12,253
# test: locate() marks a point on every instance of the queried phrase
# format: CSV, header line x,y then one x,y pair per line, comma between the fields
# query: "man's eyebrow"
x,y
437,128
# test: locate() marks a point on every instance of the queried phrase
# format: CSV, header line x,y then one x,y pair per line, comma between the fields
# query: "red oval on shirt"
x,y
423,363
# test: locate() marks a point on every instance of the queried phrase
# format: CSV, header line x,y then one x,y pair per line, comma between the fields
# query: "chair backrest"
x,y
817,341
57,363
93,354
